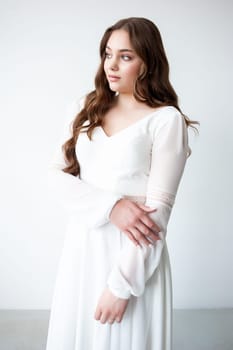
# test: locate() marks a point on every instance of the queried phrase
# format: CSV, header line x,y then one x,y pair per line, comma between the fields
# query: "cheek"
x,y
105,67
133,71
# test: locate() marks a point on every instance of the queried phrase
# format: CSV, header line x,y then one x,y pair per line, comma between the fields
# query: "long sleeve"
x,y
75,195
169,153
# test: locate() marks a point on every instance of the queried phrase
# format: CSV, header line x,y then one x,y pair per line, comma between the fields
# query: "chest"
x,y
115,121
128,149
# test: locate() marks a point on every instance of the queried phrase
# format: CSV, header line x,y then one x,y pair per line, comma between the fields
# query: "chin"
x,y
112,88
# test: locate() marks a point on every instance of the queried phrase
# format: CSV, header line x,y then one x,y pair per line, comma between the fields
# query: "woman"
x,y
117,174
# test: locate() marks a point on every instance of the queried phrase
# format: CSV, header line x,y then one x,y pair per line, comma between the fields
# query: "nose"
x,y
114,67
113,64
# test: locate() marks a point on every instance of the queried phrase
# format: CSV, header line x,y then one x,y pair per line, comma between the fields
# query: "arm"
x,y
74,194
169,153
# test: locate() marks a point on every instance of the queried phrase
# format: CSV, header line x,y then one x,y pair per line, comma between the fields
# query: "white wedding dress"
x,y
143,162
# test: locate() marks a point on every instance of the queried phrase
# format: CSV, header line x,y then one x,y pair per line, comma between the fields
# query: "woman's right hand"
x,y
133,220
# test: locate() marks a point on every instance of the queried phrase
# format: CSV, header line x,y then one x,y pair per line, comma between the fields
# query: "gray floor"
x,y
193,329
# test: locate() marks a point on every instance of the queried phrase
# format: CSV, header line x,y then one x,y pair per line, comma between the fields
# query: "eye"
x,y
126,57
107,55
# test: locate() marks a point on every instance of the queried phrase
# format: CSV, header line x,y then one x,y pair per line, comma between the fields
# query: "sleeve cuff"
x,y
118,285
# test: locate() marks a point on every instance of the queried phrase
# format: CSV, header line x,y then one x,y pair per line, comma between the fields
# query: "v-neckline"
x,y
129,126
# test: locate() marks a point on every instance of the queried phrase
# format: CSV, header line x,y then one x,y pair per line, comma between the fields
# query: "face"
x,y
122,65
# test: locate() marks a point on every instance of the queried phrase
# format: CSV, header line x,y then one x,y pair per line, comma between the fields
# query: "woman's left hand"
x,y
110,308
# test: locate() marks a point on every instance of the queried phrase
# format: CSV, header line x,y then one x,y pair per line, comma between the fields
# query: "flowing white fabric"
x,y
146,161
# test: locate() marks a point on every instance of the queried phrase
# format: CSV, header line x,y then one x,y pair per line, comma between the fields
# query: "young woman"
x,y
117,174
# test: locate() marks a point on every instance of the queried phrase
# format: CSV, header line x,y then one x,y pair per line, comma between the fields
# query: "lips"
x,y
113,78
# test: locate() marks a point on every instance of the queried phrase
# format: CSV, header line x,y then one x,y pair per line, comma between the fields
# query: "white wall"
x,y
49,53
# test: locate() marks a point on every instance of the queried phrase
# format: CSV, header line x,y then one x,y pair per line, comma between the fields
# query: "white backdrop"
x,y
49,55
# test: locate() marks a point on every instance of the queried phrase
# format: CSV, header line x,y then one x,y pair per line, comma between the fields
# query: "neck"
x,y
127,101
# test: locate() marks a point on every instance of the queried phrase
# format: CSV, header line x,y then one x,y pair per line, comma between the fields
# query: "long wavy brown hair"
x,y
151,87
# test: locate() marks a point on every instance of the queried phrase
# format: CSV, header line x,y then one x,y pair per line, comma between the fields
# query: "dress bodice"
x,y
120,163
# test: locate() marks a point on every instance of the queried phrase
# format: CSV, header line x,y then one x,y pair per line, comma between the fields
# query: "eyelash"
x,y
128,58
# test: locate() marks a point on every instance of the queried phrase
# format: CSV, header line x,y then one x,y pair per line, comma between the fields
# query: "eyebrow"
x,y
121,50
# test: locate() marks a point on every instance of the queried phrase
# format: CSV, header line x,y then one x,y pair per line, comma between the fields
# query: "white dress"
x,y
143,162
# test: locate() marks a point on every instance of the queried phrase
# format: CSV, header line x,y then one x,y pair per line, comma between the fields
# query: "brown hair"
x,y
152,85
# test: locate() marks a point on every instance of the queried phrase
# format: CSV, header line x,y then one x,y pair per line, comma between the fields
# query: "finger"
x,y
97,314
139,236
111,320
131,237
150,223
103,318
118,318
153,238
120,315
147,232
146,208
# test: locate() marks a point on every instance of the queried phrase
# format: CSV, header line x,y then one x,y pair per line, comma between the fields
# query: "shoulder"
x,y
168,127
167,116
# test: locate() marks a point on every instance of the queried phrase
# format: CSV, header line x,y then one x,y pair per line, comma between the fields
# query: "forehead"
x,y
119,40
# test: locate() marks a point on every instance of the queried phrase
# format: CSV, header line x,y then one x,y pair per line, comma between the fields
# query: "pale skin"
x,y
122,66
